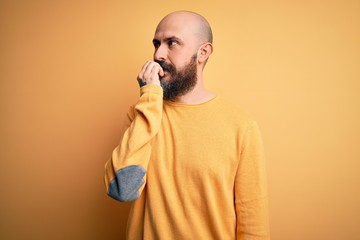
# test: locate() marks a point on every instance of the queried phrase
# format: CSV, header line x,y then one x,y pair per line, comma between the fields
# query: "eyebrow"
x,y
167,39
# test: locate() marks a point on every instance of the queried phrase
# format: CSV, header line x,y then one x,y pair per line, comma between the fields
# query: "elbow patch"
x,y
125,186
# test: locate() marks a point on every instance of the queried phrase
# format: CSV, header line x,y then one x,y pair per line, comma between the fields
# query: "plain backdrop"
x,y
68,74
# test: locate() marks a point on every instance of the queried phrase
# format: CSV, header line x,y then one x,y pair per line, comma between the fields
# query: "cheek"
x,y
181,57
179,61
174,59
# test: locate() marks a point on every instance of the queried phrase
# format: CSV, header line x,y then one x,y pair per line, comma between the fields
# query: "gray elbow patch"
x,y
125,186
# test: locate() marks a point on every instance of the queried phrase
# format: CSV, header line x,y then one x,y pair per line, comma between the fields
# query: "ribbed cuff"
x,y
151,88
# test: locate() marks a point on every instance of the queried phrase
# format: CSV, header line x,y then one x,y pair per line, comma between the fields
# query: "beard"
x,y
181,81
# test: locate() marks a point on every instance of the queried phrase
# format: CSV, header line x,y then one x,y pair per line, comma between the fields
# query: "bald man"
x,y
190,161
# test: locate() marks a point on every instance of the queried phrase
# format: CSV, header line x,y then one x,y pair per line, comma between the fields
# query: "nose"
x,y
160,53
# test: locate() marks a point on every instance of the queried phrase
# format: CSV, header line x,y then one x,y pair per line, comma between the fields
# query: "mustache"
x,y
166,66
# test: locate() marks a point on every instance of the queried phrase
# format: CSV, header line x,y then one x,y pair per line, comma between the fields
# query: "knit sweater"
x,y
192,171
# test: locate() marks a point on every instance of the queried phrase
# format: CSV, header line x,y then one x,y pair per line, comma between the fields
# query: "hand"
x,y
150,74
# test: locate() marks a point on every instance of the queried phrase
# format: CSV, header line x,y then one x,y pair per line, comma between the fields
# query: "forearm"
x,y
125,171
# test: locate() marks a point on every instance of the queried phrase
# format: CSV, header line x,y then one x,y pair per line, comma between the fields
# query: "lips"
x,y
166,73
166,67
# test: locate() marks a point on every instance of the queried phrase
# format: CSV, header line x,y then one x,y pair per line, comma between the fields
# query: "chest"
x,y
194,148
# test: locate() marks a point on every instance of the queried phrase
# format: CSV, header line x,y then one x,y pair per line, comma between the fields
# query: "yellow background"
x,y
67,77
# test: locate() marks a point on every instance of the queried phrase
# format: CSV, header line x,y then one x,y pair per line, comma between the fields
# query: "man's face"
x,y
176,52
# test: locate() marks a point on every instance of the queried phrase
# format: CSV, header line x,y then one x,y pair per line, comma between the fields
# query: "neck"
x,y
198,94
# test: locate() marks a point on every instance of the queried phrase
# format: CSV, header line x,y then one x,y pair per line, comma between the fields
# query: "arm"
x,y
251,190
125,171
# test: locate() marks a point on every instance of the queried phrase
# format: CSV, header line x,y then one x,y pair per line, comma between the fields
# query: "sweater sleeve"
x,y
251,190
125,171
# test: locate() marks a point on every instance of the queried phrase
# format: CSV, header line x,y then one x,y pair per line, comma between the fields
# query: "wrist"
x,y
151,88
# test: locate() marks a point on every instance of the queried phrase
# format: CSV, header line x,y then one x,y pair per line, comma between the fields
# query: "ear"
x,y
204,52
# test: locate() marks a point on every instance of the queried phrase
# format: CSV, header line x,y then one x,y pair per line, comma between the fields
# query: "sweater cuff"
x,y
151,88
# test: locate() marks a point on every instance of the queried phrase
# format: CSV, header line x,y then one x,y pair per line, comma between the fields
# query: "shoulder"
x,y
235,113
242,122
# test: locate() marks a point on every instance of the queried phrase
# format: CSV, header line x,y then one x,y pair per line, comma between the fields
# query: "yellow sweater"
x,y
193,171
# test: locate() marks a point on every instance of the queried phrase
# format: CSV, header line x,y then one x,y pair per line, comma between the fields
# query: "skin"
x,y
177,38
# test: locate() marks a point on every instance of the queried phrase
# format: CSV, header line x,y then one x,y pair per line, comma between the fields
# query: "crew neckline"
x,y
176,104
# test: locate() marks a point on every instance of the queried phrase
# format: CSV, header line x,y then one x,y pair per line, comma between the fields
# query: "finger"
x,y
151,74
140,77
161,71
143,69
156,71
150,71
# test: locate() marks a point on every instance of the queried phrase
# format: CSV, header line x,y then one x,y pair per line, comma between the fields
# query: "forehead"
x,y
181,28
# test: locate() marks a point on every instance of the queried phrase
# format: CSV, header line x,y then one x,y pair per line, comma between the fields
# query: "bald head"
x,y
194,22
181,36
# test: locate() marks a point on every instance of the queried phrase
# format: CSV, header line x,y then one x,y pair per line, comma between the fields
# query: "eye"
x,y
172,43
156,44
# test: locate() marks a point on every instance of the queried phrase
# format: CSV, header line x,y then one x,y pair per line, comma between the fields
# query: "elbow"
x,y
125,186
